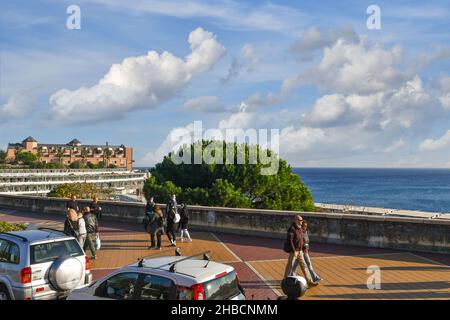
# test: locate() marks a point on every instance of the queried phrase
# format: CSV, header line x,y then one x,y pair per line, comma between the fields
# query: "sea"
x,y
409,189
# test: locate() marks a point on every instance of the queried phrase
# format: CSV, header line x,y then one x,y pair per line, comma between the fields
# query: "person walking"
x,y
314,275
92,231
155,228
295,241
96,208
171,213
184,223
82,233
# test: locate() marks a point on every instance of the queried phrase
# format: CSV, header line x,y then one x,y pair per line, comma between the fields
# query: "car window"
x,y
156,288
120,286
46,252
9,252
222,288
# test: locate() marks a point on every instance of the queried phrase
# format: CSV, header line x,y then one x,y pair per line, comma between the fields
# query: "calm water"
x,y
413,189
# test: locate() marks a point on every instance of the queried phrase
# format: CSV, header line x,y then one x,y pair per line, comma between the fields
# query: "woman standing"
x,y
184,223
82,232
155,228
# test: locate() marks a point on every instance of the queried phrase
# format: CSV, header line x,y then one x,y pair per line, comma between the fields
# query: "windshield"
x,y
46,252
222,288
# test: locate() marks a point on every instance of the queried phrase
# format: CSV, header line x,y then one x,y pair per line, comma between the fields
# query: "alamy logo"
x,y
374,280
374,20
73,21
220,152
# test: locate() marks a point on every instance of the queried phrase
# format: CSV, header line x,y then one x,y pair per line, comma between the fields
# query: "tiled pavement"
x,y
260,262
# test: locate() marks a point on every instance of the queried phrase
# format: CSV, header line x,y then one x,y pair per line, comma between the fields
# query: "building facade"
x,y
117,155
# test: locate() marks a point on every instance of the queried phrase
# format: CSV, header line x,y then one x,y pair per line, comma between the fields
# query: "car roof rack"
x,y
15,235
177,254
174,263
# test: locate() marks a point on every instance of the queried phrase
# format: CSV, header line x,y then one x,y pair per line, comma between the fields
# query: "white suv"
x,y
41,264
167,278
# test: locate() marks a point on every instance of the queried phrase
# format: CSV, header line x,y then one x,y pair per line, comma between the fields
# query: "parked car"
x,y
41,264
166,278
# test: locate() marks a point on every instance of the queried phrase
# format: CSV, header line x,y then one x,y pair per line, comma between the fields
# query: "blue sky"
x,y
340,94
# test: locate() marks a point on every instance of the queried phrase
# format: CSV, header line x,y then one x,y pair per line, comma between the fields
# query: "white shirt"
x,y
81,226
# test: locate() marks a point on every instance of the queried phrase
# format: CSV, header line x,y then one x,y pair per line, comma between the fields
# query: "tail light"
x,y
25,275
198,292
88,266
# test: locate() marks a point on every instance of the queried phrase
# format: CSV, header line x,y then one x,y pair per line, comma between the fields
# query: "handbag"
x,y
98,243
287,247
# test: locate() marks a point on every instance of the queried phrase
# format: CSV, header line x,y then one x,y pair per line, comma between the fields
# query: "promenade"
x,y
260,261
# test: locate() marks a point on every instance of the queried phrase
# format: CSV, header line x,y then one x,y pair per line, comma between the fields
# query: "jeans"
x,y
158,234
90,242
296,258
183,232
314,275
82,239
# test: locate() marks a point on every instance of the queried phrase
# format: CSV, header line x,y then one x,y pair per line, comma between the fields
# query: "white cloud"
x,y
436,145
349,67
312,39
204,104
400,143
246,62
18,105
138,82
244,119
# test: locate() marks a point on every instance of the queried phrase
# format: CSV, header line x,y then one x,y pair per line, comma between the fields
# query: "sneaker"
x,y
182,240
313,284
173,244
93,257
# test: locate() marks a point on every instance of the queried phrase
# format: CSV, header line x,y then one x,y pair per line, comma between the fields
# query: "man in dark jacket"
x,y
72,204
295,240
95,208
92,231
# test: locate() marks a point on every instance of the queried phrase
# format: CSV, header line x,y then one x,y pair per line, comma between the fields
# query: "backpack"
x,y
287,247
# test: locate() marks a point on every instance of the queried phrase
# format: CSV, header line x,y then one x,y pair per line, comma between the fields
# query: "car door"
x,y
120,286
9,261
156,287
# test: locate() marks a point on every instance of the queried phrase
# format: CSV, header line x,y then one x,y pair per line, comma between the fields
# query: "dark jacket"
x,y
95,209
72,205
156,224
184,218
295,237
149,207
91,223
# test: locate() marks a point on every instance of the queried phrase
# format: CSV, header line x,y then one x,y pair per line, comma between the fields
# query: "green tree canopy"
x,y
2,157
230,185
26,157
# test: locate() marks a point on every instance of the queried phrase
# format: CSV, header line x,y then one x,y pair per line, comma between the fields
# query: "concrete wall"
x,y
349,229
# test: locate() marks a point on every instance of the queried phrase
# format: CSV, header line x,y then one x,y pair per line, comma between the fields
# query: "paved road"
x,y
260,262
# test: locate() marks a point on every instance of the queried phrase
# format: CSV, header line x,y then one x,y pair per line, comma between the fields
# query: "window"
x,y
222,288
9,252
119,287
156,288
46,252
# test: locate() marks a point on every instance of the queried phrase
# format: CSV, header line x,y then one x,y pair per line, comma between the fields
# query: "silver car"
x,y
166,278
41,264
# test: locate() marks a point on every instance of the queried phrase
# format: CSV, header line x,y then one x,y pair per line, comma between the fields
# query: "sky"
x,y
339,93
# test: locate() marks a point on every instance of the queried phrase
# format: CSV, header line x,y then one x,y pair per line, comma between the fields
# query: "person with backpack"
x,y
294,244
155,228
92,231
184,223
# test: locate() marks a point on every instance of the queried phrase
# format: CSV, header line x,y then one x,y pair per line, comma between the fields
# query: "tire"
x,y
4,293
66,274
